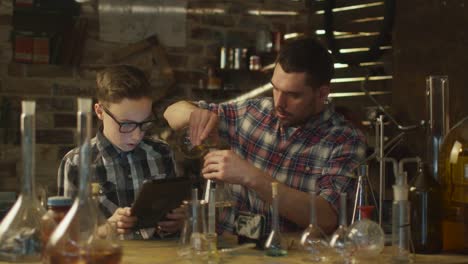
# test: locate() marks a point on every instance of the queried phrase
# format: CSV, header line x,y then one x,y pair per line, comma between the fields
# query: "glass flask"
x,y
339,241
58,207
76,239
106,229
20,229
313,240
367,235
453,175
274,246
426,218
184,144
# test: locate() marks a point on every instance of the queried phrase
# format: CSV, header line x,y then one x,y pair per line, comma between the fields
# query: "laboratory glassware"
x,y
367,235
76,239
274,245
20,238
339,240
401,221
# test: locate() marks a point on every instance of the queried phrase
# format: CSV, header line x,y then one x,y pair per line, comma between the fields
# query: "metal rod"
x,y
381,166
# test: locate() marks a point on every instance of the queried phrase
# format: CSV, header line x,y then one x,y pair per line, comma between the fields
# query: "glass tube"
x,y
20,238
273,245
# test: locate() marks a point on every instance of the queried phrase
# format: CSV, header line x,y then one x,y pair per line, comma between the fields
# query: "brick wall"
x,y
55,88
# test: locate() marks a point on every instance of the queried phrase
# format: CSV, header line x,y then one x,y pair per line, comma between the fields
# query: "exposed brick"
x,y
51,71
46,152
22,86
63,120
206,34
60,104
84,89
62,150
5,20
44,120
49,136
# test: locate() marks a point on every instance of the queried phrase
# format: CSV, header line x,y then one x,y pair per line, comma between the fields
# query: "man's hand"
x,y
227,166
202,123
123,219
174,222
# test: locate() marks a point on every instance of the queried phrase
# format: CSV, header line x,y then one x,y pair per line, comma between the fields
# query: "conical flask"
x,y
426,217
76,239
313,240
367,236
20,238
274,245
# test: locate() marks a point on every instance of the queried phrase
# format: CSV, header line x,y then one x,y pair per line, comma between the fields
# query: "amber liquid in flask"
x,y
76,239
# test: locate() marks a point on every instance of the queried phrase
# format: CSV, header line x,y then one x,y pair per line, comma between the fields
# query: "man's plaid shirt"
x,y
327,148
119,174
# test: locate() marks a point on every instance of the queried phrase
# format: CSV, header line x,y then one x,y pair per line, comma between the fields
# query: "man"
x,y
291,138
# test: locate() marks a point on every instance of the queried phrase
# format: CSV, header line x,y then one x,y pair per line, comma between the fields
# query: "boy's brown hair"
x,y
116,83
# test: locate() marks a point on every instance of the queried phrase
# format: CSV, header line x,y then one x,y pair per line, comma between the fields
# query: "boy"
x,y
121,154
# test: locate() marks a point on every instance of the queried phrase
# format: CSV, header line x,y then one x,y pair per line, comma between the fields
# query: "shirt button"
x,y
137,232
307,168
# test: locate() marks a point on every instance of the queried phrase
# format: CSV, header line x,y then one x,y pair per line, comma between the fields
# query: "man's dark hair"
x,y
307,55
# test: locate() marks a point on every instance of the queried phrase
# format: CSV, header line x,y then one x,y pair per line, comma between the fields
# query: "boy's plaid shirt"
x,y
326,148
119,174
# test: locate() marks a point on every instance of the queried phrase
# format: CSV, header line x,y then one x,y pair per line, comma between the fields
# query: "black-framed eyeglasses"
x,y
127,127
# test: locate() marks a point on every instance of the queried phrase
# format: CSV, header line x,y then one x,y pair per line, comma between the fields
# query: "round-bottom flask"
x,y
367,235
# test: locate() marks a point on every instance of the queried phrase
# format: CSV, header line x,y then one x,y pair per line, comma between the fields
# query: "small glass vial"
x,y
58,207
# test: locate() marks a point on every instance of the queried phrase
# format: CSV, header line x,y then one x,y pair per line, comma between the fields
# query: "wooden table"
x,y
165,252
143,252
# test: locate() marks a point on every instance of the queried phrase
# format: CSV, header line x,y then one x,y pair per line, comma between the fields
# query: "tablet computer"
x,y
156,198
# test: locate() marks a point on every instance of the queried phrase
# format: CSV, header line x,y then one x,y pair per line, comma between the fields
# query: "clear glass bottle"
x,y
274,246
58,207
401,221
76,239
339,241
313,240
453,175
367,235
426,218
20,229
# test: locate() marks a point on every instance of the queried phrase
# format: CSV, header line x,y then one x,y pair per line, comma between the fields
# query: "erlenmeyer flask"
x,y
76,240
340,241
313,239
106,230
19,231
274,245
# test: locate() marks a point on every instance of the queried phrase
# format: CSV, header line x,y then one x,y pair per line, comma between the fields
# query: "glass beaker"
x,y
76,238
192,240
20,238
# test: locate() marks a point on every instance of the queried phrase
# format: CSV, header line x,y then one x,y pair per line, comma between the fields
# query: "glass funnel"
x,y
76,238
274,245
340,241
20,238
313,239
367,236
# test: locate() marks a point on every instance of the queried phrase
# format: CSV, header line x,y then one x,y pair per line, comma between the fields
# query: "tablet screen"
x,y
158,197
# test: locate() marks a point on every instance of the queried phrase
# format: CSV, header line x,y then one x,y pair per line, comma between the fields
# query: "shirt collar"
x,y
105,146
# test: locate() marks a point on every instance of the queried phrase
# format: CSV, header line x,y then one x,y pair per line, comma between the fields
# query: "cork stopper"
x,y
28,107
274,189
84,105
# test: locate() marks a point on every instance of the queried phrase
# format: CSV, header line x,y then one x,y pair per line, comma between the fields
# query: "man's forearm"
x,y
178,114
294,204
